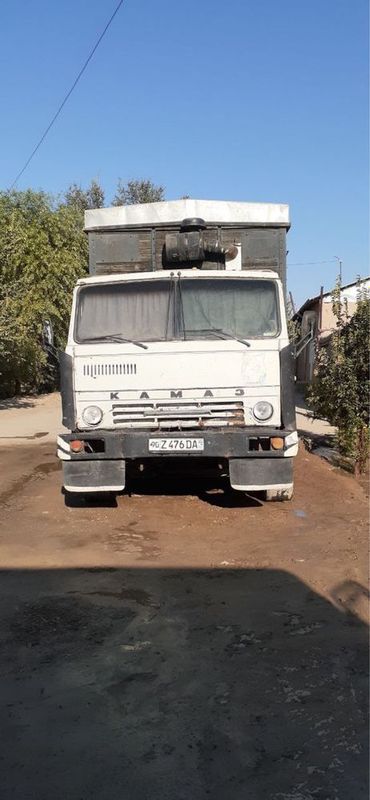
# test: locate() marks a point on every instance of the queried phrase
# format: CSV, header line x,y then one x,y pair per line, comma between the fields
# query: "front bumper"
x,y
248,468
217,444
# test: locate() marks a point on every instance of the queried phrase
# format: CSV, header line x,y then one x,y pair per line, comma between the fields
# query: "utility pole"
x,y
292,303
340,269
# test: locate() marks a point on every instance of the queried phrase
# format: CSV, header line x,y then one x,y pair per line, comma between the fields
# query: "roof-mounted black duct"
x,y
190,245
193,224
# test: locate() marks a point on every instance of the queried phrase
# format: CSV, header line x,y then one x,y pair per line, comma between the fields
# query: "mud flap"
x,y
259,474
94,476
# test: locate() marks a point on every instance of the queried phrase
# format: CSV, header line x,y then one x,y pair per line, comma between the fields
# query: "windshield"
x,y
169,309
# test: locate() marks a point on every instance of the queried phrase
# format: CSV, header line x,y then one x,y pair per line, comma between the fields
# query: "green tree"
x,y
341,385
96,195
43,250
137,191
82,199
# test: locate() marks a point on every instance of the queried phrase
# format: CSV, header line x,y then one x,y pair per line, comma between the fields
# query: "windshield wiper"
x,y
116,337
217,332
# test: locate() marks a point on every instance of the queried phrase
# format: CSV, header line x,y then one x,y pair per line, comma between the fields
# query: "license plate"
x,y
178,445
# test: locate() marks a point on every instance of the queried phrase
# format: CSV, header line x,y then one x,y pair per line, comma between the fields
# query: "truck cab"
x,y
191,359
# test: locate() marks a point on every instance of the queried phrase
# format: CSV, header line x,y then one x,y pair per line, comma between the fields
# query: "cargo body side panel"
x,y
130,250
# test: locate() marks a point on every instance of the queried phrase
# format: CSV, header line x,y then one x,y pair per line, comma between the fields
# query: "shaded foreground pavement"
x,y
183,644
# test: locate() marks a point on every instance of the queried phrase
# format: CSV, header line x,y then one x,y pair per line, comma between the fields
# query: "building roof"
x,y
312,301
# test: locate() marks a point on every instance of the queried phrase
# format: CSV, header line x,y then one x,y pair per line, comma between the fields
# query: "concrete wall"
x,y
306,360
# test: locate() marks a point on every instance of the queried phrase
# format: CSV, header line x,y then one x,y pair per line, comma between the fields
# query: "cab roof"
x,y
121,277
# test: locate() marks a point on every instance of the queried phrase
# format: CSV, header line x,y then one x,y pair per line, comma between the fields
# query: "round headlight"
x,y
263,410
92,415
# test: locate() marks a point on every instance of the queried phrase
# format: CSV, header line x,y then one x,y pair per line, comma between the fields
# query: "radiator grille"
x,y
178,415
93,370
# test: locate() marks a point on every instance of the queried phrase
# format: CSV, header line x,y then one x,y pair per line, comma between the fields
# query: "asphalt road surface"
x,y
184,642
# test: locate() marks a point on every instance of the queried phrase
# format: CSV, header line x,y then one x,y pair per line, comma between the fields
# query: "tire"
x,y
279,495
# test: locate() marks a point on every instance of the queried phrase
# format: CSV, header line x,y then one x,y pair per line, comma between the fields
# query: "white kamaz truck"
x,y
178,346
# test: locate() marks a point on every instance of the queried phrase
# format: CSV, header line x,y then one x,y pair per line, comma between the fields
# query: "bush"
x,y
340,389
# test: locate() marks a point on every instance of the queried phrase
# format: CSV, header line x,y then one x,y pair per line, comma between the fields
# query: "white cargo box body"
x,y
132,238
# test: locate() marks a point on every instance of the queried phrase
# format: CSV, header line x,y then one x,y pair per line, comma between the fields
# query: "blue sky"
x,y
260,100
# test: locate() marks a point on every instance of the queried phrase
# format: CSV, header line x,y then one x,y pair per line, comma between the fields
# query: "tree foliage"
x,y
293,330
137,191
43,250
82,199
340,389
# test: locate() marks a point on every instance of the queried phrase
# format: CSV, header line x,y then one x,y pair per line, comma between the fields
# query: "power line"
x,y
67,96
310,263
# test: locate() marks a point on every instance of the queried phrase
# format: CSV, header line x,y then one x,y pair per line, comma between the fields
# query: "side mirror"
x,y
47,334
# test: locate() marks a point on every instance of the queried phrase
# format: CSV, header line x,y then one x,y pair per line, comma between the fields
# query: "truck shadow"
x,y
180,683
173,480
212,488
220,496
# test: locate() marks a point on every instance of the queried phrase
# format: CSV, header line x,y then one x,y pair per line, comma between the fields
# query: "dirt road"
x,y
184,643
